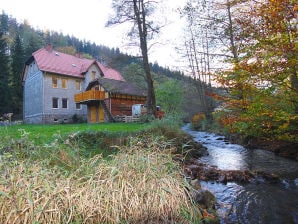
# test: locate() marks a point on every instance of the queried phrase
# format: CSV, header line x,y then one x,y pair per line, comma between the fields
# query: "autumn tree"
x,y
266,70
270,53
140,14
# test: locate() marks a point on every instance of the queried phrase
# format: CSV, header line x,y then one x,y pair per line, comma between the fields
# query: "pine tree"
x,y
18,58
4,74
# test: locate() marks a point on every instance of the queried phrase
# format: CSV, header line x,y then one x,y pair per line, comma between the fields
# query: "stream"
x,y
256,202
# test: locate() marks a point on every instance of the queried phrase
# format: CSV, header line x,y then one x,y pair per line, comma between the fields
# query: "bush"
x,y
77,119
199,121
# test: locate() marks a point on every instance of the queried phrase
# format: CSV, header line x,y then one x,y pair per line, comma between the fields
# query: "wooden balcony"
x,y
90,95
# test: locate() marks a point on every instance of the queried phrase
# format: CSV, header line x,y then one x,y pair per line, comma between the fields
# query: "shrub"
x,y
199,121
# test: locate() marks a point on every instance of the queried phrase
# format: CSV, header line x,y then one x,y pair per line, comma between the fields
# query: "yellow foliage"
x,y
198,117
198,120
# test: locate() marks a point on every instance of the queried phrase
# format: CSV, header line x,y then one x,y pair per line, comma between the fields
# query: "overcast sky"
x,y
86,21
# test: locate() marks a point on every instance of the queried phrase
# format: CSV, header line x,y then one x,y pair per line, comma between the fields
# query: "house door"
x,y
96,114
101,114
93,114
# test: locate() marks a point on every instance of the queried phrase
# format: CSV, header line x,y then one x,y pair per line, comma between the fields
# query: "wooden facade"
x,y
122,104
107,99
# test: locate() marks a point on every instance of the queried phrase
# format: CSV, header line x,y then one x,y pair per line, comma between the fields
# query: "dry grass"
x,y
136,186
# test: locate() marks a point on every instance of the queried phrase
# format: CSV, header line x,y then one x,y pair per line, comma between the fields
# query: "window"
x,y
55,103
54,82
78,106
64,103
64,83
78,85
93,75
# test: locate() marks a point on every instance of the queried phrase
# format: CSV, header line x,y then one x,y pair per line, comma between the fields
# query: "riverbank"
x,y
281,148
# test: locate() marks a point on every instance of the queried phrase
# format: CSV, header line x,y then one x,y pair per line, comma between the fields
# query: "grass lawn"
x,y
42,134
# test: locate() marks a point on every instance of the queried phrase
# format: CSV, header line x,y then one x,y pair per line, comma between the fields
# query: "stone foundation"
x,y
54,119
61,118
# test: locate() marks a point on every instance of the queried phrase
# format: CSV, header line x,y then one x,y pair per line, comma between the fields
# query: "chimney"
x,y
49,47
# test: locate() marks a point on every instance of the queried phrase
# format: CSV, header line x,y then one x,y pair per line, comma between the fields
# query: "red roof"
x,y
49,60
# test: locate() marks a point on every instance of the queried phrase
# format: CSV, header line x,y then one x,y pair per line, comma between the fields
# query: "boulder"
x,y
204,198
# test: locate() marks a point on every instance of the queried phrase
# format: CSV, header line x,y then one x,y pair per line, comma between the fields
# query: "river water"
x,y
256,202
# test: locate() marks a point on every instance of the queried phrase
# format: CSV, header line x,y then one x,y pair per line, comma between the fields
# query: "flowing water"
x,y
256,202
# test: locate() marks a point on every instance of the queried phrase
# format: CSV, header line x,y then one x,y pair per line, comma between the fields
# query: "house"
x,y
58,86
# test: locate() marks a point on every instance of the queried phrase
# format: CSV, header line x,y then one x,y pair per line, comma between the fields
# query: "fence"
x,y
127,119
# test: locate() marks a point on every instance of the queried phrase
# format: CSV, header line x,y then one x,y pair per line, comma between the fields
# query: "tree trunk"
x,y
294,87
141,22
231,33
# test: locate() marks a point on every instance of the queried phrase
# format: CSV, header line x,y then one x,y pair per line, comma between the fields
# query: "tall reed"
x,y
140,184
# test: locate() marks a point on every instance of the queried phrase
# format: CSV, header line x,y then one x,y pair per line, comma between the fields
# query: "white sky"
x,y
86,21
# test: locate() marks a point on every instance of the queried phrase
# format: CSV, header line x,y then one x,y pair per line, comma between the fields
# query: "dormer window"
x,y
78,85
93,75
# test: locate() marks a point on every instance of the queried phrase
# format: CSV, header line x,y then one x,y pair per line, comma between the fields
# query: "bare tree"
x,y
139,14
197,53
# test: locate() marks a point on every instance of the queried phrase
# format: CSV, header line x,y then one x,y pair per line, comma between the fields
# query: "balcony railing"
x,y
89,95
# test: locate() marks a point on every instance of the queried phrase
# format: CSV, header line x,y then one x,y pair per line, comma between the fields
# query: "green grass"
x,y
42,134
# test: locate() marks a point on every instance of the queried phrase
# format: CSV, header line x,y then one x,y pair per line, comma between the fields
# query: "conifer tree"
x,y
4,74
18,58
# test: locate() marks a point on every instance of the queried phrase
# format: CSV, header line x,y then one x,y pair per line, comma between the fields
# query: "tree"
x,y
18,58
266,71
270,53
134,73
170,96
4,25
4,74
138,12
197,50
